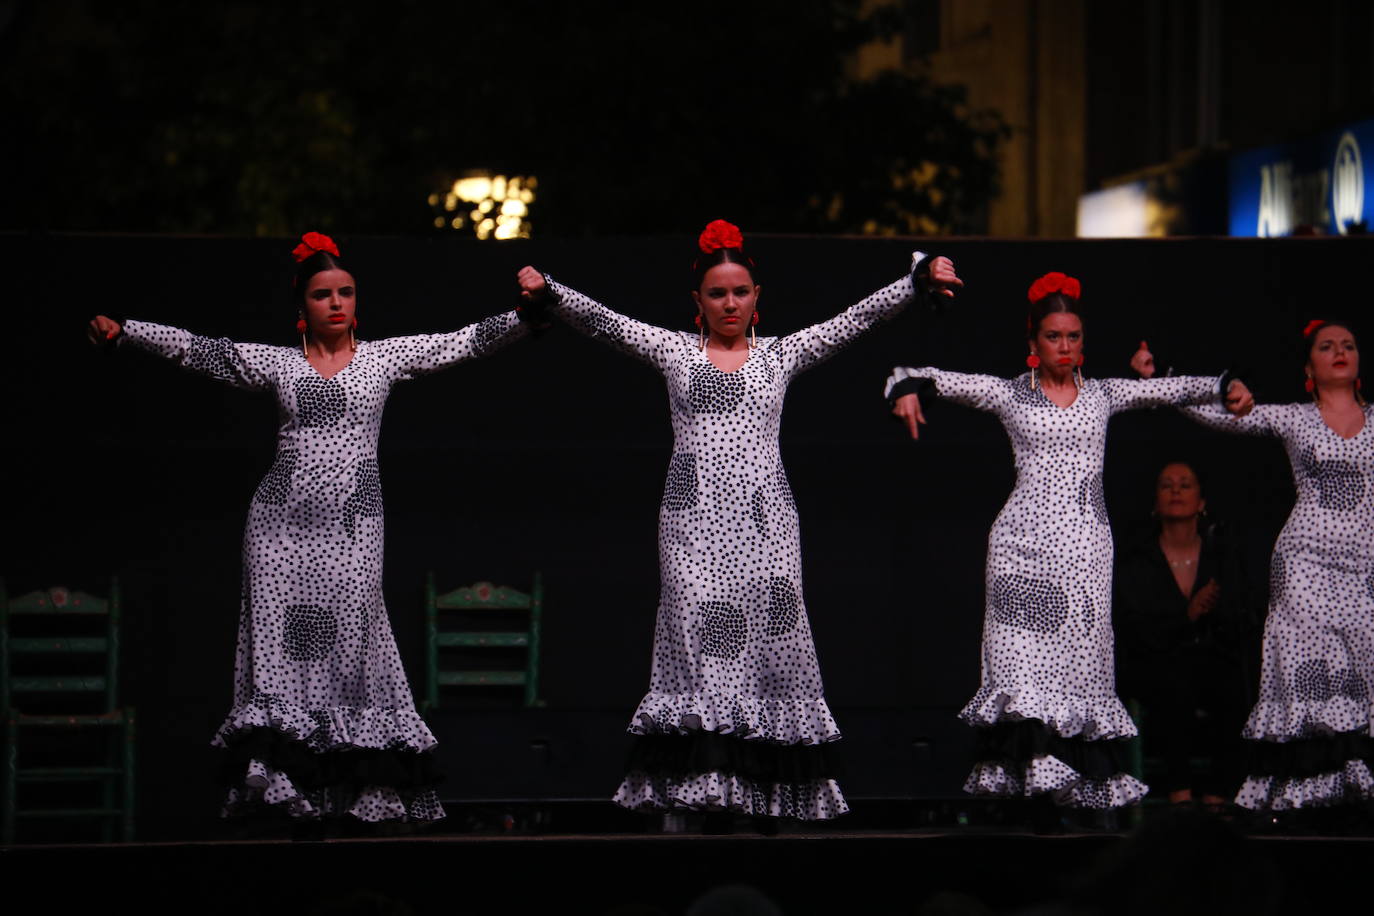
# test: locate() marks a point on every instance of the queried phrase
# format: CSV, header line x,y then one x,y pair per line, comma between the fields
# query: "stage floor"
x,y
1187,863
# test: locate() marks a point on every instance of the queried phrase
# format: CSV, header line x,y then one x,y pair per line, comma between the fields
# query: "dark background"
x,y
551,456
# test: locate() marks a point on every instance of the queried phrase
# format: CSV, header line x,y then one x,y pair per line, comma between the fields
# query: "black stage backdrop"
x,y
551,456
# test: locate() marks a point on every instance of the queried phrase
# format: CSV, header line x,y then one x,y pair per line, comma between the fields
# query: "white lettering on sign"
x,y
1275,211
1347,190
1289,200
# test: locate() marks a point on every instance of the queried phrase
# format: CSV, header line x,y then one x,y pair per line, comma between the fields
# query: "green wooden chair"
x,y
486,601
59,659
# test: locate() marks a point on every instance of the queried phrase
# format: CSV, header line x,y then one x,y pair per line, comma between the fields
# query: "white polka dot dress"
x,y
1313,721
1047,713
323,723
735,717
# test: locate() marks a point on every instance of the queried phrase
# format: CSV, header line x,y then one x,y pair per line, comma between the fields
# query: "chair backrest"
x,y
484,597
61,643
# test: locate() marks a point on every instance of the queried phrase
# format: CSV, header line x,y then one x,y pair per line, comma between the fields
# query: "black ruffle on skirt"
x,y
1017,743
349,770
1308,757
761,762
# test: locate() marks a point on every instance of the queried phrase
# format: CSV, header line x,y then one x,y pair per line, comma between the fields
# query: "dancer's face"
x,y
1177,493
329,303
1059,343
726,299
1334,358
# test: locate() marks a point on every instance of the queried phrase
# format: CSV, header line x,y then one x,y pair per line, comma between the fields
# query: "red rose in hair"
x,y
1054,282
312,242
720,234
1312,326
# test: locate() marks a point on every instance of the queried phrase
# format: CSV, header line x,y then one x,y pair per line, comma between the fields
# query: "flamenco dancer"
x,y
1310,731
1048,720
323,724
735,719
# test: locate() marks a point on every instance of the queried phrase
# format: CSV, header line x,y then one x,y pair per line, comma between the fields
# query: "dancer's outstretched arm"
x,y
637,338
242,365
421,354
1237,413
930,276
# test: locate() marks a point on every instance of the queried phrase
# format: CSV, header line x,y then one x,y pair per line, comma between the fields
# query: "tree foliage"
x,y
247,117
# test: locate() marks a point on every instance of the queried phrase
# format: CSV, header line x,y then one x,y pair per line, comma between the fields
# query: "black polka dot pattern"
x,y
733,652
1319,635
366,499
758,511
784,607
309,632
723,630
1278,576
1340,485
317,662
274,488
713,391
1091,498
680,492
1030,604
319,402
1048,651
211,356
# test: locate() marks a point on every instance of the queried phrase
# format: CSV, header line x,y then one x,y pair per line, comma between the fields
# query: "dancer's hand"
x,y
102,330
532,285
908,409
1239,400
1143,362
943,280
1206,599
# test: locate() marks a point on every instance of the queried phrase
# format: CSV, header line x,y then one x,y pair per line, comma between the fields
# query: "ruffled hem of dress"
x,y
329,729
1067,716
1352,783
1271,719
750,718
266,789
1049,775
715,791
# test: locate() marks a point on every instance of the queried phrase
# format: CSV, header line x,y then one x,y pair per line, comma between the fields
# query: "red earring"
x,y
301,326
755,319
1080,359
697,319
1357,384
1033,361
355,322
1307,385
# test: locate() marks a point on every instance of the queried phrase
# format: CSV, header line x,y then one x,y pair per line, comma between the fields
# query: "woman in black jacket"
x,y
1184,629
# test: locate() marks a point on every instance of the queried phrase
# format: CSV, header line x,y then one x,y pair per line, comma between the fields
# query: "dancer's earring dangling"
x,y
352,340
1311,388
702,328
1359,398
1078,372
753,338
1033,362
300,329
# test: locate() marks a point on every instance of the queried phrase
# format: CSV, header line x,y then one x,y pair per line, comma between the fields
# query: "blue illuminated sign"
x,y
1313,185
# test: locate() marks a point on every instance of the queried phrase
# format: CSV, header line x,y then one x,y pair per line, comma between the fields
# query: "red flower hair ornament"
x,y
1312,326
719,234
1054,282
312,242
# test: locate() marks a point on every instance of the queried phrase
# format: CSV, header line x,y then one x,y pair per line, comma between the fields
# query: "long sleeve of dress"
x,y
1264,420
250,366
421,354
811,345
1180,391
981,392
637,338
